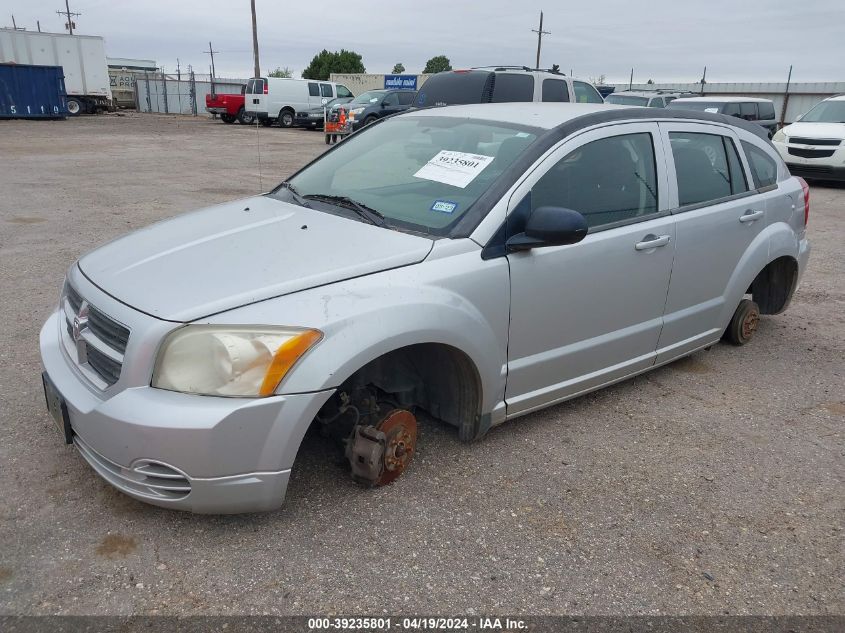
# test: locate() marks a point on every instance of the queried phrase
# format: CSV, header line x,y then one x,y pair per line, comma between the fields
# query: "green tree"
x,y
437,64
399,68
284,73
326,63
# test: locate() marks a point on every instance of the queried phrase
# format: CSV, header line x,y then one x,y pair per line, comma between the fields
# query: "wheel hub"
x,y
400,431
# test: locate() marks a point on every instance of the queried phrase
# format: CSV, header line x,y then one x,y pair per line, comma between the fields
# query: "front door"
x,y
590,313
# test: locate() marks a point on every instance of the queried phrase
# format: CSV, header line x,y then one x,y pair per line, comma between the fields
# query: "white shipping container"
x,y
82,58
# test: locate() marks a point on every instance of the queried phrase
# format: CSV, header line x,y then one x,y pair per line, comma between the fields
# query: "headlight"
x,y
780,137
230,360
356,110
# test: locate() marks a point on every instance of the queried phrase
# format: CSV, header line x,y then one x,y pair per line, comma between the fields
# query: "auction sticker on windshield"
x,y
454,168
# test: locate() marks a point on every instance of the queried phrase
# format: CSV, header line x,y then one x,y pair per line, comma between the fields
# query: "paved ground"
x,y
711,486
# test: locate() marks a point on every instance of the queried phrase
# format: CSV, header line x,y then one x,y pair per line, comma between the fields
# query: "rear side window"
x,y
767,110
390,100
326,90
343,91
748,111
707,167
585,93
406,98
732,109
764,169
609,180
314,90
555,90
510,87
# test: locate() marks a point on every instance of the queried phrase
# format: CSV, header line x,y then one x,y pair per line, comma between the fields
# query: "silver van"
x,y
475,262
759,111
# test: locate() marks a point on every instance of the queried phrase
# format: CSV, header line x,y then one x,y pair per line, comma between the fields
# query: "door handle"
x,y
750,216
651,241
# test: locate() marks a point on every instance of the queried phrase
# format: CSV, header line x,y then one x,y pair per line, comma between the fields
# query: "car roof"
x,y
572,116
725,99
836,98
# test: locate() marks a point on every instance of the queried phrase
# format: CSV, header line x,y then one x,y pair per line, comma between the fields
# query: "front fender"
x,y
458,300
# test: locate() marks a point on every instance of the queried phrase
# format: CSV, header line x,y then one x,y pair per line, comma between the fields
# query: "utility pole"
x,y
255,41
211,52
69,15
38,23
540,33
631,80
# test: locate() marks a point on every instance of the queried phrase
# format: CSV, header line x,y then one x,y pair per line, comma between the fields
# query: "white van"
x,y
273,99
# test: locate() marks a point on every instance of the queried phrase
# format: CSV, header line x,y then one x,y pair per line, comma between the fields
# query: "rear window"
x,y
628,100
767,110
255,87
510,88
453,88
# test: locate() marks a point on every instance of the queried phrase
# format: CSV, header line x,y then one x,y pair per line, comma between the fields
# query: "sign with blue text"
x,y
406,82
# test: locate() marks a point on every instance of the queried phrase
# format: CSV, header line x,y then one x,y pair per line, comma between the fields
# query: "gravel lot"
x,y
711,486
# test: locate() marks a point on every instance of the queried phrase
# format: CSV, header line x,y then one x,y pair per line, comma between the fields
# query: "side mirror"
x,y
549,226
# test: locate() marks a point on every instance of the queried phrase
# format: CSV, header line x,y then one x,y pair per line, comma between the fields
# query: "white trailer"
x,y
82,58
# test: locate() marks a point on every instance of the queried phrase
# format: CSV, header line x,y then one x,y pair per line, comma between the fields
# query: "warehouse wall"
x,y
361,82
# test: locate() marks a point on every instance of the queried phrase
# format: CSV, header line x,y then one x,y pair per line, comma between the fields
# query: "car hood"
x,y
237,253
815,130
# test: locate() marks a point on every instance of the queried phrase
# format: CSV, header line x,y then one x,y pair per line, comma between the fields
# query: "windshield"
x,y
698,106
626,100
373,96
422,173
826,112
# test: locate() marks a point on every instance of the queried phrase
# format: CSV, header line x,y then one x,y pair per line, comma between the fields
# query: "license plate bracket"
x,y
57,408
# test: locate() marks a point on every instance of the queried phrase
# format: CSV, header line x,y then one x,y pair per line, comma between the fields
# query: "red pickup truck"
x,y
229,107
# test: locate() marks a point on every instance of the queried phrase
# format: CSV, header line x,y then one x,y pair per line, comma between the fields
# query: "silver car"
x,y
476,262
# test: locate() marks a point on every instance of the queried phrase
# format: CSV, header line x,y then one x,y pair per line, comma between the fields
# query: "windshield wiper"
x,y
368,213
298,198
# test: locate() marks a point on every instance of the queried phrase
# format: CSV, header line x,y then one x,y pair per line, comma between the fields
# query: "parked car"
x,y
457,260
272,99
646,98
814,146
503,84
230,107
760,111
373,105
313,118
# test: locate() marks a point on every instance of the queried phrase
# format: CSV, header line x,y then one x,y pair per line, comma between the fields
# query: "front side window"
x,y
585,93
609,180
423,173
314,89
707,167
510,87
326,90
555,90
764,169
343,91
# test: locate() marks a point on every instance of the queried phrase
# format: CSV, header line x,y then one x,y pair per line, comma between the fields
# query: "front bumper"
x,y
819,168
196,453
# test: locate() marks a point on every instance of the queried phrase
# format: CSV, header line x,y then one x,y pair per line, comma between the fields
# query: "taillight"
x,y
806,189
266,87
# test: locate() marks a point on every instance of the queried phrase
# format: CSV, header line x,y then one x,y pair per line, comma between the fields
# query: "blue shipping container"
x,y
32,92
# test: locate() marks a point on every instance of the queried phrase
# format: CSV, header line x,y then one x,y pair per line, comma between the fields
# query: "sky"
x,y
663,40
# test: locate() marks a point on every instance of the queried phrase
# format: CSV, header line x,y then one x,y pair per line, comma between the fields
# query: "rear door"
x,y
590,313
718,216
255,98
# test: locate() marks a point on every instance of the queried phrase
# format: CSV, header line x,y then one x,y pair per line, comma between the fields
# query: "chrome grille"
x,y
97,341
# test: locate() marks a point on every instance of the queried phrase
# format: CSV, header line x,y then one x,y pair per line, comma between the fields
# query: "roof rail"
x,y
525,68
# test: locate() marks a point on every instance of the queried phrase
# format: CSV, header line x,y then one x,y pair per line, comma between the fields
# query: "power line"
x,y
540,33
69,15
